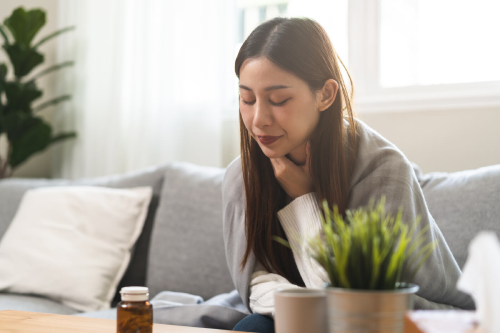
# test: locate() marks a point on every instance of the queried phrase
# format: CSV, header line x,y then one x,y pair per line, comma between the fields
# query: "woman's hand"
x,y
295,179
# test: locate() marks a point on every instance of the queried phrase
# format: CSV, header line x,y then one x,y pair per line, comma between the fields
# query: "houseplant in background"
x,y
366,258
26,132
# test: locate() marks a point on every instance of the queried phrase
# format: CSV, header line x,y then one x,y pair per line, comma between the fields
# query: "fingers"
x,y
294,179
275,164
280,164
284,161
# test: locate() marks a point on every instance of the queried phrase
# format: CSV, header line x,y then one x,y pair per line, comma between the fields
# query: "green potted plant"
x,y
366,257
26,132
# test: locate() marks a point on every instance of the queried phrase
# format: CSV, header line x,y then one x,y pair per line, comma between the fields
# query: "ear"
x,y
327,94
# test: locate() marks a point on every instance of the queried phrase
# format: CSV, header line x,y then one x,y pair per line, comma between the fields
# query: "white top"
x,y
300,221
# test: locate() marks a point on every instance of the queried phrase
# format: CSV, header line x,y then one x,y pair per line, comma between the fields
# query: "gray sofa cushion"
x,y
33,303
187,249
462,204
12,190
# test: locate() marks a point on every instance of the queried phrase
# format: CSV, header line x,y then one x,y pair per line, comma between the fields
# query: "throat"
x,y
298,155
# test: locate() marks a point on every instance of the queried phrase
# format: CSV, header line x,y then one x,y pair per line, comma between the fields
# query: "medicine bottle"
x,y
134,314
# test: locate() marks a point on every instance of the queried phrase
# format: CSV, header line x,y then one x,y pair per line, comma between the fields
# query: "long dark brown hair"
x,y
302,47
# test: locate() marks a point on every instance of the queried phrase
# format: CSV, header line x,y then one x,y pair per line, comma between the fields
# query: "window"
x,y
331,14
424,42
425,54
403,54
254,12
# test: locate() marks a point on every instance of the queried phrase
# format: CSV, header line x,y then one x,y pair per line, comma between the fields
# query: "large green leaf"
x,y
51,102
28,135
63,136
33,135
20,95
3,73
23,59
24,25
51,69
13,124
52,35
4,35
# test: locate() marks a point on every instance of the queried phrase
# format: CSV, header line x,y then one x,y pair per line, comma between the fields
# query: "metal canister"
x,y
369,311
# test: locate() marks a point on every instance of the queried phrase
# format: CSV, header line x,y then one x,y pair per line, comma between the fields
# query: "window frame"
x,y
364,64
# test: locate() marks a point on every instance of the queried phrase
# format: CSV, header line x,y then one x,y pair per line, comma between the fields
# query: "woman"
x,y
300,144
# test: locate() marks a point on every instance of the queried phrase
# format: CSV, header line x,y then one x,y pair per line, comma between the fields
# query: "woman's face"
x,y
278,108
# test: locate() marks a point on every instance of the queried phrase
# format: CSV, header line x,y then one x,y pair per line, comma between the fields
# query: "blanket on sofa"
x,y
223,311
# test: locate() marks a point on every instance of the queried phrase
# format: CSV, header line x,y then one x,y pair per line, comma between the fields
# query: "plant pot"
x,y
370,311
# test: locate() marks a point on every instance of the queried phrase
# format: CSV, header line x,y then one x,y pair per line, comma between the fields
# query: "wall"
x,y
38,165
450,140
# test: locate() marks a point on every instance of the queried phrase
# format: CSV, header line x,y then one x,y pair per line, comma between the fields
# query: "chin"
x,y
273,153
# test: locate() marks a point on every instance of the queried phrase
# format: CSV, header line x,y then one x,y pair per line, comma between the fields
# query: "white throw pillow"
x,y
72,244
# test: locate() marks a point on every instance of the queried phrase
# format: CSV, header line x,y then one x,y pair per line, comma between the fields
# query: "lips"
x,y
267,139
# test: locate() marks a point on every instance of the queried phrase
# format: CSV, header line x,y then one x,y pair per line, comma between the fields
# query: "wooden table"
x,y
33,322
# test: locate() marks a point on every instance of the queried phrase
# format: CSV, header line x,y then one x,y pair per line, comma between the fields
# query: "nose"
x,y
263,116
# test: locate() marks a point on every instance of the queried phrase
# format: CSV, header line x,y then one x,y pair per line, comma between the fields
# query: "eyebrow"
x,y
266,89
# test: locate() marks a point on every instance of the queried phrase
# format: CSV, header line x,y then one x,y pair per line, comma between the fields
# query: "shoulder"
x,y
379,159
381,169
371,143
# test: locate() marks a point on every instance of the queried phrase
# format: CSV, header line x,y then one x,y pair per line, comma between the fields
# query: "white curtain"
x,y
151,81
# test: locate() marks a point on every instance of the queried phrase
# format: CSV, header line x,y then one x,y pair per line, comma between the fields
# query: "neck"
x,y
298,155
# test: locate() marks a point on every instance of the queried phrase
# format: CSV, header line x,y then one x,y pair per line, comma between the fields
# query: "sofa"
x,y
181,245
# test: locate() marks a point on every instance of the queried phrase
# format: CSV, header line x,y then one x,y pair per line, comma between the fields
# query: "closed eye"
x,y
279,103
248,103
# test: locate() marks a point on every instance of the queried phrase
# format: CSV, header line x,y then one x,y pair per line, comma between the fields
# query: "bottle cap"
x,y
134,293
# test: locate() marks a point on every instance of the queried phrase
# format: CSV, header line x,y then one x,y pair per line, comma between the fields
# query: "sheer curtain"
x,y
150,83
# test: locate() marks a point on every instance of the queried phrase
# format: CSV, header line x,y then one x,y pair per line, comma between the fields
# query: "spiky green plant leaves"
x,y
370,250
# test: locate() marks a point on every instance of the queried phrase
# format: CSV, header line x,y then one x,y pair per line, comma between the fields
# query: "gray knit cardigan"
x,y
380,169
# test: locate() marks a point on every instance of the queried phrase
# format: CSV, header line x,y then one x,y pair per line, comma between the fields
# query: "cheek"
x,y
297,121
